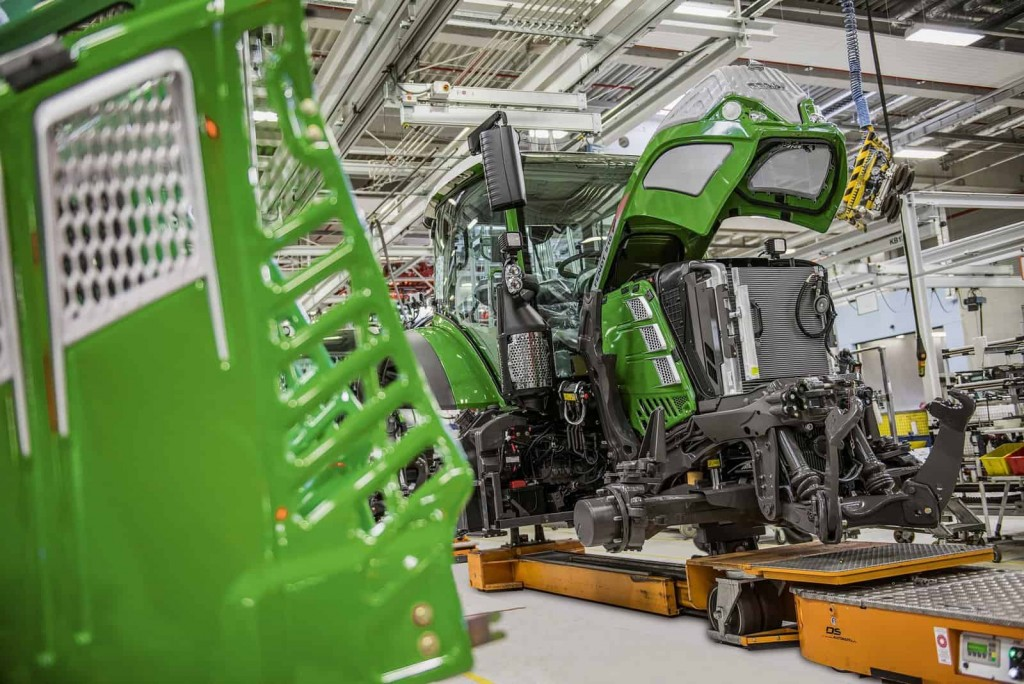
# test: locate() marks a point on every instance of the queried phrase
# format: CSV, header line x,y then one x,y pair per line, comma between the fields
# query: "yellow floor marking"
x,y
476,678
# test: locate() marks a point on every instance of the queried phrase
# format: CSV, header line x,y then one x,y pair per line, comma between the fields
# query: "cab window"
x,y
474,232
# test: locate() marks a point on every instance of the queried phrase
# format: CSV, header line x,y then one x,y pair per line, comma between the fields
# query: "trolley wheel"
x,y
780,537
997,555
687,531
771,606
904,536
747,615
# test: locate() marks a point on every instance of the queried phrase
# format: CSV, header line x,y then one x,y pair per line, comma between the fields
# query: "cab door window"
x,y
472,295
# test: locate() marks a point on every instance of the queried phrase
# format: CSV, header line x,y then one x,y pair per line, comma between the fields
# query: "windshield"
x,y
569,211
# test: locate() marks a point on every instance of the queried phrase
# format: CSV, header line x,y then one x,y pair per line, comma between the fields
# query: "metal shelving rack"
x,y
1006,383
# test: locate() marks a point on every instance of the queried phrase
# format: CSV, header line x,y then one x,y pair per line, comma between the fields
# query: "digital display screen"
x,y
981,651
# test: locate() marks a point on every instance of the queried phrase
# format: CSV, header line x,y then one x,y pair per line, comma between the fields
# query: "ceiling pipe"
x,y
913,10
1009,14
944,10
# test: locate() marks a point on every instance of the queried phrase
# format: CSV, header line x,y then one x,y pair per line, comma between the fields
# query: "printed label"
x,y
942,646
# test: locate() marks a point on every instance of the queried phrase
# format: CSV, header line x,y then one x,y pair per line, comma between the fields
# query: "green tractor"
x,y
609,374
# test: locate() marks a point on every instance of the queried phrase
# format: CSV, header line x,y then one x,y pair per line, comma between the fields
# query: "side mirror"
x,y
503,164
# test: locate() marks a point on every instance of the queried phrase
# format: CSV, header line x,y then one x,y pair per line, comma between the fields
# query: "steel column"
x,y
919,295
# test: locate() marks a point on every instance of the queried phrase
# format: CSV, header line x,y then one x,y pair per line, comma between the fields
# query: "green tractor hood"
x,y
746,141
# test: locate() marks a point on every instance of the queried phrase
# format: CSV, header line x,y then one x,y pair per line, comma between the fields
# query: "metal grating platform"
x,y
993,596
846,560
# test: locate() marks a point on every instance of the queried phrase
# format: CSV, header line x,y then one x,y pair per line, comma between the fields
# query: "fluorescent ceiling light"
x,y
700,9
943,36
260,116
919,153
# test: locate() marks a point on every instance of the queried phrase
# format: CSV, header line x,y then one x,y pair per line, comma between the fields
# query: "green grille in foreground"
x,y
193,506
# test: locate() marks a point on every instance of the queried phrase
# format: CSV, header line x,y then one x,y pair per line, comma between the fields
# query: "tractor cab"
x,y
573,198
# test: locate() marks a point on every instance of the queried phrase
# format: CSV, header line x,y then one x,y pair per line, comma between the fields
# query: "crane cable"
x,y
865,123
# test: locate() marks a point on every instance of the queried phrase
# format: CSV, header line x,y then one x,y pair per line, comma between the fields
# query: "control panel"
x,y
989,657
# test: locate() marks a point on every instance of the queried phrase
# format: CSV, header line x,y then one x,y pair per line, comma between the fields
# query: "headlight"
x,y
513,278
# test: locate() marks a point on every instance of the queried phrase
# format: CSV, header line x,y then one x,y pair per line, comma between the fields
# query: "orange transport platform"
x,y
953,626
746,596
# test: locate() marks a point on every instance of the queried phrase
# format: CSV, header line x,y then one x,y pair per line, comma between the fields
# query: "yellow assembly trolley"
x,y
900,612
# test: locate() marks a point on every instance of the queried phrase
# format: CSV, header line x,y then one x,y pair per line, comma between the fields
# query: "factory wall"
x,y
892,327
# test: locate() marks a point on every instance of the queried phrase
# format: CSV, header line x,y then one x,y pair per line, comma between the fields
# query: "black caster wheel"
x,y
745,618
997,555
904,536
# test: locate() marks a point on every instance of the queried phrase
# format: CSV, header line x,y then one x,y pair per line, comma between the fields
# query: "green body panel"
x,y
473,382
639,382
695,219
207,519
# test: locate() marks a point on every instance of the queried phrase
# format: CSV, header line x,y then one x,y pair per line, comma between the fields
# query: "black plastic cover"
x,y
503,168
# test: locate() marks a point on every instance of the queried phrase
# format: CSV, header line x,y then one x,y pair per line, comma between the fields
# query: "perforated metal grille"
x,y
667,373
646,406
528,360
114,10
653,338
640,309
869,557
123,197
996,596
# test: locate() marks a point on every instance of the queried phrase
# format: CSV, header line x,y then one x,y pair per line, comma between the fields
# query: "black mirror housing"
x,y
498,143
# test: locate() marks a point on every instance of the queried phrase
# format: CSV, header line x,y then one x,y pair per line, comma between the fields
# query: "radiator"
x,y
781,350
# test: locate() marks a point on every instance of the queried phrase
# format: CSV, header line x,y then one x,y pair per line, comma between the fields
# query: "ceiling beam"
x,y
621,23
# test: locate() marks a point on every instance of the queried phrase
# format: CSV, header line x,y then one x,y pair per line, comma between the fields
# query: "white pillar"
x,y
919,295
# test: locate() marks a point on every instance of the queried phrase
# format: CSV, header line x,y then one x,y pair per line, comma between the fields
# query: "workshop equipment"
x,y
745,595
877,181
996,461
461,548
185,474
965,625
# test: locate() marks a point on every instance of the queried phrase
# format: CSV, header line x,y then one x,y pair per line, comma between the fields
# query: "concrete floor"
x,y
550,639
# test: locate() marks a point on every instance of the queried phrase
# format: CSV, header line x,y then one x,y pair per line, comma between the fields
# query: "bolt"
x,y
308,107
314,133
928,510
422,614
429,645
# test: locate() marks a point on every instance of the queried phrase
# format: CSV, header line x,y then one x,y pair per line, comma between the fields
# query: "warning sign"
x,y
942,646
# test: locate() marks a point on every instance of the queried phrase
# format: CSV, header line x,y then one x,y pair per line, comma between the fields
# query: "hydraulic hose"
x,y
853,57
